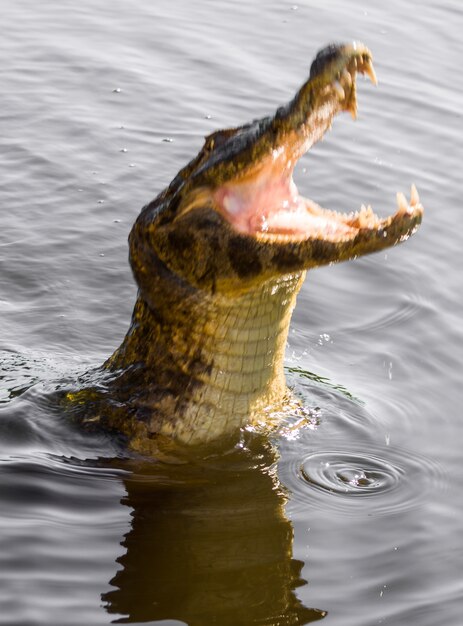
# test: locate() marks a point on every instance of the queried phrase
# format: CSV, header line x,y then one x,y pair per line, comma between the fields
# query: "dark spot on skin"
x,y
199,367
323,250
179,240
214,245
244,258
206,223
286,260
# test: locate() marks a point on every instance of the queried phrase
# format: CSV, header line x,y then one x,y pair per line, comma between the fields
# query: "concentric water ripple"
x,y
373,483
350,473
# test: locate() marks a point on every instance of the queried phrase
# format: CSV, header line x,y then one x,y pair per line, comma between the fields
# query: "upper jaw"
x,y
330,89
263,201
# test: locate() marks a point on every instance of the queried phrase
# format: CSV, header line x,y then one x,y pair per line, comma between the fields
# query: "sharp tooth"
x,y
369,71
352,103
347,77
414,197
339,90
361,221
352,108
402,203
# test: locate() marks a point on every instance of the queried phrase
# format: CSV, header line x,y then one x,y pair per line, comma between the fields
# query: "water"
x,y
353,519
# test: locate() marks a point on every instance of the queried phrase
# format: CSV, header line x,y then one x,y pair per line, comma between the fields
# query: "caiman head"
x,y
220,255
233,217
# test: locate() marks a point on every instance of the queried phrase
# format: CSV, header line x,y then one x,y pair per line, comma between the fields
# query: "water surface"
x,y
354,517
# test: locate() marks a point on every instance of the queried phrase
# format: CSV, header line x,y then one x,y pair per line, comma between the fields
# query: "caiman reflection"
x,y
209,544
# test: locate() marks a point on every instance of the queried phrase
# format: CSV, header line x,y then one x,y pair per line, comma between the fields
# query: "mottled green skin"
x,y
192,267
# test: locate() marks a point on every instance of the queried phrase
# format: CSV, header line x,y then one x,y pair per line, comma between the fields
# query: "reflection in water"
x,y
209,544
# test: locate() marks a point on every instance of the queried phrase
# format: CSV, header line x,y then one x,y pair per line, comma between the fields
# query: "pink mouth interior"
x,y
270,203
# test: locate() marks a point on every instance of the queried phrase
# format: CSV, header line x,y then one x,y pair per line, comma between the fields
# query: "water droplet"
x,y
131,164
101,253
123,150
100,201
168,140
208,117
117,90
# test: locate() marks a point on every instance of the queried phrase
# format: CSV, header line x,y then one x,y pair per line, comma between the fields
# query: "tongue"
x,y
266,204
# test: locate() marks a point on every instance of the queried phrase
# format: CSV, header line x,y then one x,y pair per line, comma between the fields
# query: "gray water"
x,y
354,519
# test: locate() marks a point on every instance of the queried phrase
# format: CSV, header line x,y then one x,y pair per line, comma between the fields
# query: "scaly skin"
x,y
218,273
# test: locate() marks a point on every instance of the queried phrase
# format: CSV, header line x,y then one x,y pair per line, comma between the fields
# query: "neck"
x,y
204,371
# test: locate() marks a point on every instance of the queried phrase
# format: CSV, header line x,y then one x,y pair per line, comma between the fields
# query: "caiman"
x,y
219,257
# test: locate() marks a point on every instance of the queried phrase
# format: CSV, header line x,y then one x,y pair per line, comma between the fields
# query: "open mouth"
x,y
265,202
